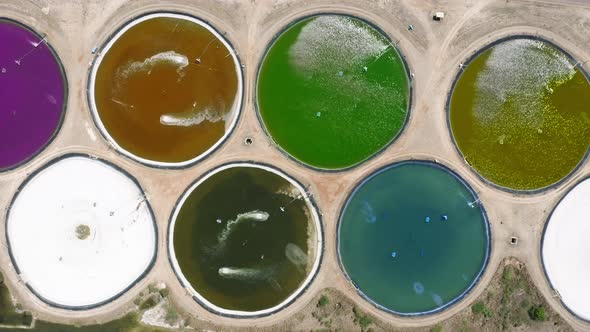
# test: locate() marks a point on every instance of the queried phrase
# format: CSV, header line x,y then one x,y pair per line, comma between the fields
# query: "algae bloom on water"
x,y
520,114
332,91
166,89
245,239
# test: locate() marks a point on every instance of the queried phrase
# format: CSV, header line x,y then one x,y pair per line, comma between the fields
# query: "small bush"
x,y
171,315
464,326
149,303
362,319
537,312
152,288
478,307
27,318
323,301
164,292
508,273
436,328
365,321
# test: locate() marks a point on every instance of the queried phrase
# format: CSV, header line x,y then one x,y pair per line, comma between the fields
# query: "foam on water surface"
x,y
244,240
166,89
339,80
192,117
164,58
517,114
520,72
334,41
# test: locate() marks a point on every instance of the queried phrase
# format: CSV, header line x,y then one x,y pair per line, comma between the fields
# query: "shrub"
x,y
164,292
478,307
27,318
171,315
537,312
149,303
363,320
436,328
508,273
152,288
323,301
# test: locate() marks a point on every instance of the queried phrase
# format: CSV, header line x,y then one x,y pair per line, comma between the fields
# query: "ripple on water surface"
x,y
244,239
341,83
413,238
520,114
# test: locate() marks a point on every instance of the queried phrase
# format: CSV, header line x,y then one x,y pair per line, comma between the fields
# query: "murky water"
x,y
165,89
520,114
32,94
242,239
332,91
412,238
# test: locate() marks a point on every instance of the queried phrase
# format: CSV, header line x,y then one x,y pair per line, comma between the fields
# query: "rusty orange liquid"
x,y
136,87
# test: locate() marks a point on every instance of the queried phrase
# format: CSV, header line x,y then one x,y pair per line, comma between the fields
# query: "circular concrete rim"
x,y
65,96
122,172
236,107
450,129
567,192
239,313
476,279
379,150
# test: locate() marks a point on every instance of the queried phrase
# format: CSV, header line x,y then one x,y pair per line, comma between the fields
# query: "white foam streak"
x,y
191,117
169,58
255,215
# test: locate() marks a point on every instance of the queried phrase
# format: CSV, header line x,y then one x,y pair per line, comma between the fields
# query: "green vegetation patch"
x,y
323,301
537,312
362,319
129,323
9,313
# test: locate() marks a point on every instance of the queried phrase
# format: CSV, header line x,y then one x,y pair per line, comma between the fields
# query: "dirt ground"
x,y
508,297
433,51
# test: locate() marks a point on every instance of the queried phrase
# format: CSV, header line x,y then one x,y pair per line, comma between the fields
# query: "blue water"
x,y
435,261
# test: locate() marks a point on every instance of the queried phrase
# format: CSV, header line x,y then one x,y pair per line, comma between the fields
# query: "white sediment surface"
x,y
566,249
230,272
76,270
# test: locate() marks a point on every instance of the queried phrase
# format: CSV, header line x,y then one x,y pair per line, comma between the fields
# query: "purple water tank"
x,y
32,94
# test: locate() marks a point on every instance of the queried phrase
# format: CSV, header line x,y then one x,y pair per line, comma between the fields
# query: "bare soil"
x,y
506,300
